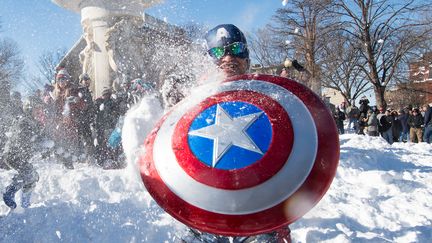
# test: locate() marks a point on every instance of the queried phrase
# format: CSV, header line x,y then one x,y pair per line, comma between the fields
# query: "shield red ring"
x,y
273,210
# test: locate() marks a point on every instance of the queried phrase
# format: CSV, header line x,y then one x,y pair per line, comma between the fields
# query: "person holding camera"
x,y
364,107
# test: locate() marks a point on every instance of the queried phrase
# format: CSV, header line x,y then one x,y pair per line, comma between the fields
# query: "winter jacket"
x,y
21,138
372,123
68,106
428,117
353,113
415,121
339,117
384,123
107,114
86,110
396,126
403,118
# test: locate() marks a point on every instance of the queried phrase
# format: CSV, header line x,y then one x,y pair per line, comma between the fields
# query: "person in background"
x,y
22,137
339,117
427,137
292,69
86,117
415,121
353,113
364,107
403,118
372,124
384,125
106,117
67,105
423,110
396,125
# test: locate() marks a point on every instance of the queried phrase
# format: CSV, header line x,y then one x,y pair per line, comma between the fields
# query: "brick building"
x,y
418,90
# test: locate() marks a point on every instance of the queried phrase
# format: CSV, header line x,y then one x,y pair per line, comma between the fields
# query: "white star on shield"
x,y
228,131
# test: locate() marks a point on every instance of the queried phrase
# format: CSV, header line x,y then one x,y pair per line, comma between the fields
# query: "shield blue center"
x,y
230,153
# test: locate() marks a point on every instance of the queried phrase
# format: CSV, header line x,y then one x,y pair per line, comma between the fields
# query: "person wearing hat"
x,y
227,46
67,105
372,123
86,116
106,116
415,121
403,118
427,137
384,125
23,135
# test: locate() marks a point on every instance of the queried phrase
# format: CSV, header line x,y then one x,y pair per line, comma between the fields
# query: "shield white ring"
x,y
249,200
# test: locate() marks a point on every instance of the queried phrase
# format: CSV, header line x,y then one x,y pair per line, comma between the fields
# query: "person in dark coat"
x,y
86,116
364,107
403,118
339,118
415,121
353,113
384,125
396,125
20,146
427,137
107,115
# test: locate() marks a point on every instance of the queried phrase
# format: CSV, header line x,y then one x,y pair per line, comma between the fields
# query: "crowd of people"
x,y
64,121
407,124
88,129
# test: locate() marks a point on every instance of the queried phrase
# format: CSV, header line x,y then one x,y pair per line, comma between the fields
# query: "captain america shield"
x,y
242,157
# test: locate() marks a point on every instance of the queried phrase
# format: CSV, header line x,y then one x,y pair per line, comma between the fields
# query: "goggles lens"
x,y
237,49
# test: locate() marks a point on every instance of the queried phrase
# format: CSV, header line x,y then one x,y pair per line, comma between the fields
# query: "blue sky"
x,y
40,25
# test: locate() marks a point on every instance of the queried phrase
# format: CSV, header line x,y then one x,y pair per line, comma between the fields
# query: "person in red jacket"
x,y
67,105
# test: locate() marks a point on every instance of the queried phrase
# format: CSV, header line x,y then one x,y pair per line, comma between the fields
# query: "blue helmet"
x,y
224,35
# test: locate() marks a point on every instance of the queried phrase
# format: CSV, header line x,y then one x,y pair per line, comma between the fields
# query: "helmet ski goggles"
x,y
237,49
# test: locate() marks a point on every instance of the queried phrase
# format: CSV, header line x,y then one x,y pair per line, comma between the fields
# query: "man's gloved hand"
x,y
115,138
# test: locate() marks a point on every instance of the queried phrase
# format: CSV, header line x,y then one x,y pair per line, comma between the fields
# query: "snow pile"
x,y
381,193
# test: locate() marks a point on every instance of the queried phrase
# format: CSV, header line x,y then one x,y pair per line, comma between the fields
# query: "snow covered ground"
x,y
381,193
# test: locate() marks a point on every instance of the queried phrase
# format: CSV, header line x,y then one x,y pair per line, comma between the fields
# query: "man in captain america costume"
x,y
227,45
237,158
232,148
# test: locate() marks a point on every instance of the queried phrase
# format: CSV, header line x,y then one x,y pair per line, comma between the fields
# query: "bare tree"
x,y
11,66
387,31
305,26
342,65
48,62
263,48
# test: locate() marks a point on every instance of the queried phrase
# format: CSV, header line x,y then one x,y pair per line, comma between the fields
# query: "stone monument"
x,y
98,19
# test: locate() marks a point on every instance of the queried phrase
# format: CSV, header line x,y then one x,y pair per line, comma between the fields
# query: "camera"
x,y
364,101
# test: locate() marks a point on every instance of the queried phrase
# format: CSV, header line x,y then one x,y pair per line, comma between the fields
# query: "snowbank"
x,y
381,193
